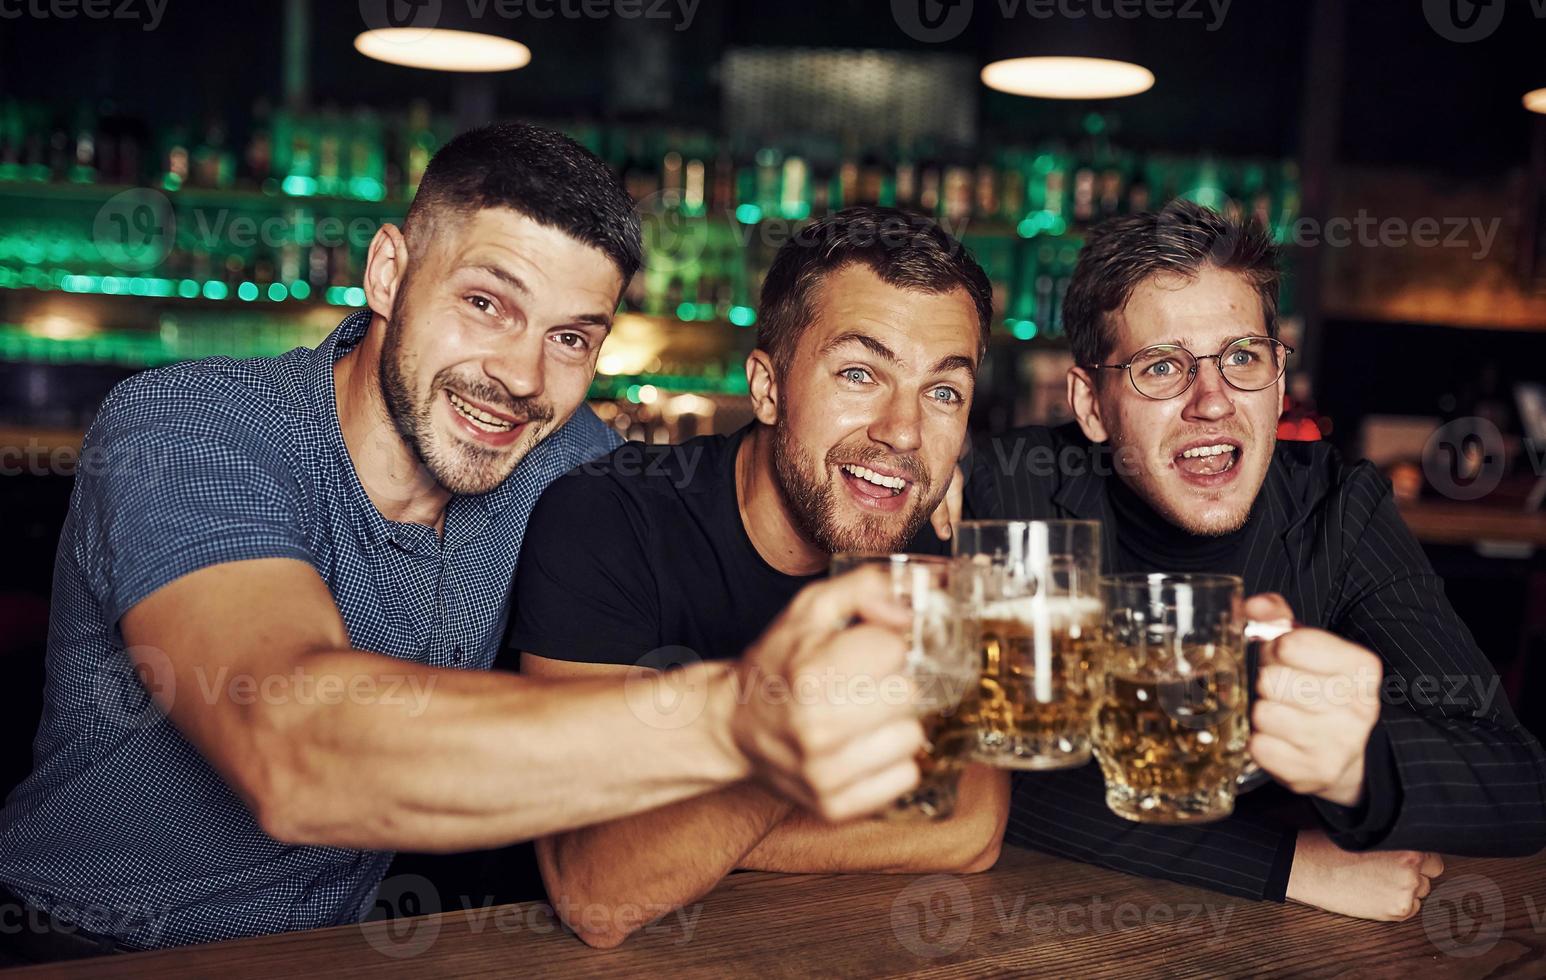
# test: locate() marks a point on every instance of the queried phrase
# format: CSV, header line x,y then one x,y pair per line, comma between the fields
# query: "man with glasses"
x,y
1378,708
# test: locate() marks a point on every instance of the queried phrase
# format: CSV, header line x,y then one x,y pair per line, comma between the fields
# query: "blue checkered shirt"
x,y
122,827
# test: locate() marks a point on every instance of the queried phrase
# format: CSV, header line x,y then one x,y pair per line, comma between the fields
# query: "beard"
x,y
462,468
1150,488
812,500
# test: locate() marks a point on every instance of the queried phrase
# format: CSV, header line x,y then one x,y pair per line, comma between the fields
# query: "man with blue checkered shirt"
x,y
281,579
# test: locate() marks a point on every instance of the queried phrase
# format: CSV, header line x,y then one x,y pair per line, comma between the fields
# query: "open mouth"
x,y
1208,460
872,488
480,418
482,424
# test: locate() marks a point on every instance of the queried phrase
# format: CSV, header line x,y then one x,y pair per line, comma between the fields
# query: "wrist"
x,y
1349,791
727,763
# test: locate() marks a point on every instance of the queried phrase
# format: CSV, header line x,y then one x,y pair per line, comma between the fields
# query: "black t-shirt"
x,y
631,558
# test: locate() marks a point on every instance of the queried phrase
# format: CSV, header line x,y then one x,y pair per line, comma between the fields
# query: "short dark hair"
x,y
543,175
903,248
1180,239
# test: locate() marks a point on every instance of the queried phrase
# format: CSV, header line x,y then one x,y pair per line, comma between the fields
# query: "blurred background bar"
x,y
186,180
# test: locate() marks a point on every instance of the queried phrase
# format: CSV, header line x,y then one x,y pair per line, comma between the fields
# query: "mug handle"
x,y
1257,632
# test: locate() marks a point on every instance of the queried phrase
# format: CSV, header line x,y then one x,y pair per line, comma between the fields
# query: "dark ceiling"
x,y
1411,95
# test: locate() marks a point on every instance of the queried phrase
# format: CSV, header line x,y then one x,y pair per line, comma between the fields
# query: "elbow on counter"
x,y
598,924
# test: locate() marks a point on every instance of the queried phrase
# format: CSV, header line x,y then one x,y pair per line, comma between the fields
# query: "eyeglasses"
x,y
1166,370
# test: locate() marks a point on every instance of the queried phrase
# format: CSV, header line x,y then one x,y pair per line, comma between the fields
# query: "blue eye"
x,y
947,395
854,375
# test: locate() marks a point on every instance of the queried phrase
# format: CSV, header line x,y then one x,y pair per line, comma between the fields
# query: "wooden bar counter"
x,y
1031,915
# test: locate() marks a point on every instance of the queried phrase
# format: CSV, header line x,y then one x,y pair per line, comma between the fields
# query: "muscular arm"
x,y
968,841
349,748
609,880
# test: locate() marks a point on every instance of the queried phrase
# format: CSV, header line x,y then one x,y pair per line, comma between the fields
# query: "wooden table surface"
x,y
1031,915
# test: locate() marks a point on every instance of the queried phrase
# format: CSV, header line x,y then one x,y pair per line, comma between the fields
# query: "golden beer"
x,y
1035,617
1172,705
1171,747
943,670
1030,711
947,749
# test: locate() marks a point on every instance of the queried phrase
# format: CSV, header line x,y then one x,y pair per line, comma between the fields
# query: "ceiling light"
x,y
443,50
1057,77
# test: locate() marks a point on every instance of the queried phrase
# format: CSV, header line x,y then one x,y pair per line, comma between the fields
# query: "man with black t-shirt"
x,y
1176,391
872,326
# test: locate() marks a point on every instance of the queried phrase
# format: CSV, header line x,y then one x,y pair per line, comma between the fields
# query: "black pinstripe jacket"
x,y
1450,768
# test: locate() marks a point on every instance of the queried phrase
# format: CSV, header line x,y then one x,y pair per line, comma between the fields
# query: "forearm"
x,y
442,760
1464,785
968,840
608,880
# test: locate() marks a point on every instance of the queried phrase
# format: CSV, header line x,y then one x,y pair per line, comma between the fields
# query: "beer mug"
x,y
1035,614
1172,709
941,667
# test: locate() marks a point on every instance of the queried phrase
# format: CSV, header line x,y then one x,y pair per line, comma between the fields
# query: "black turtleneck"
x,y
1147,542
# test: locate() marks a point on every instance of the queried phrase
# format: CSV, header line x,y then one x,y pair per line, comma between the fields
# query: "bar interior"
x,y
915,294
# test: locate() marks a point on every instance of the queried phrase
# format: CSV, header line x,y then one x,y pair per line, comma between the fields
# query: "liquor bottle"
x,y
958,193
906,183
672,180
794,192
1084,195
694,191
987,192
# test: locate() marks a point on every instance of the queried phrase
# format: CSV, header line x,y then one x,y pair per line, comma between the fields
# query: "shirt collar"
x,y
1083,495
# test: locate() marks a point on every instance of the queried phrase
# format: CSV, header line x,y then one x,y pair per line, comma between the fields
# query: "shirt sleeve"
x,y
156,499
584,588
1468,778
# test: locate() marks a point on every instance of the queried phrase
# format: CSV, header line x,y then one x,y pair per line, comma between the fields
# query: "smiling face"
x,y
491,343
870,414
1199,458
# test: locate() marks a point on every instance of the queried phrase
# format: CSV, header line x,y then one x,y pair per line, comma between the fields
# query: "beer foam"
x,y
1062,611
